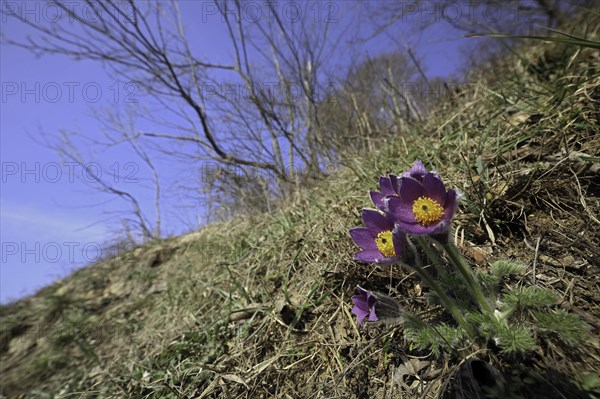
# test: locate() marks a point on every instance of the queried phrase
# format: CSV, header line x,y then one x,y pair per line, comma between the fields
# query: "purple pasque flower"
x,y
424,206
364,305
366,302
380,241
388,186
417,171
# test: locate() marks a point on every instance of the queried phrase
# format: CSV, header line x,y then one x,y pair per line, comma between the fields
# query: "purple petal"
x,y
372,315
360,313
369,256
362,292
363,238
360,301
435,188
451,204
399,240
386,186
377,199
400,210
364,304
394,182
364,300
376,222
416,228
417,171
387,261
411,190
442,226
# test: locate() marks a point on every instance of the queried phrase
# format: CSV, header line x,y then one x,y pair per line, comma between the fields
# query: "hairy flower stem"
x,y
446,301
459,261
431,255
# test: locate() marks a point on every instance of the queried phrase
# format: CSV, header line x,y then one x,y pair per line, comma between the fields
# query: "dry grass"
x,y
259,307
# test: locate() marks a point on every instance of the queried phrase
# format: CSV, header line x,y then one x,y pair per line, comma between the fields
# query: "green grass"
x,y
259,306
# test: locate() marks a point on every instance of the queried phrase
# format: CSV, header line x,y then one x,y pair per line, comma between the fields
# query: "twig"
x,y
535,257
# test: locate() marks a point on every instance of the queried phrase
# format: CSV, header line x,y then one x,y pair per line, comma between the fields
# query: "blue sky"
x,y
51,222
41,199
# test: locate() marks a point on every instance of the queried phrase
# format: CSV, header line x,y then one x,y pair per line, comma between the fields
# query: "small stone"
x,y
568,260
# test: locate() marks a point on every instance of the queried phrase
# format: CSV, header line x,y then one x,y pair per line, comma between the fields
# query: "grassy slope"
x,y
259,307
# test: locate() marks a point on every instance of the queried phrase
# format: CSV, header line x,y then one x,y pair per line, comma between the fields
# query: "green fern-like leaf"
x,y
449,335
501,268
438,339
569,328
413,322
486,325
529,297
514,340
476,317
489,283
422,339
418,333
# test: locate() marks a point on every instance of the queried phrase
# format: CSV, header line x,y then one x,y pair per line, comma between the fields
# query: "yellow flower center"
x,y
385,244
427,211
